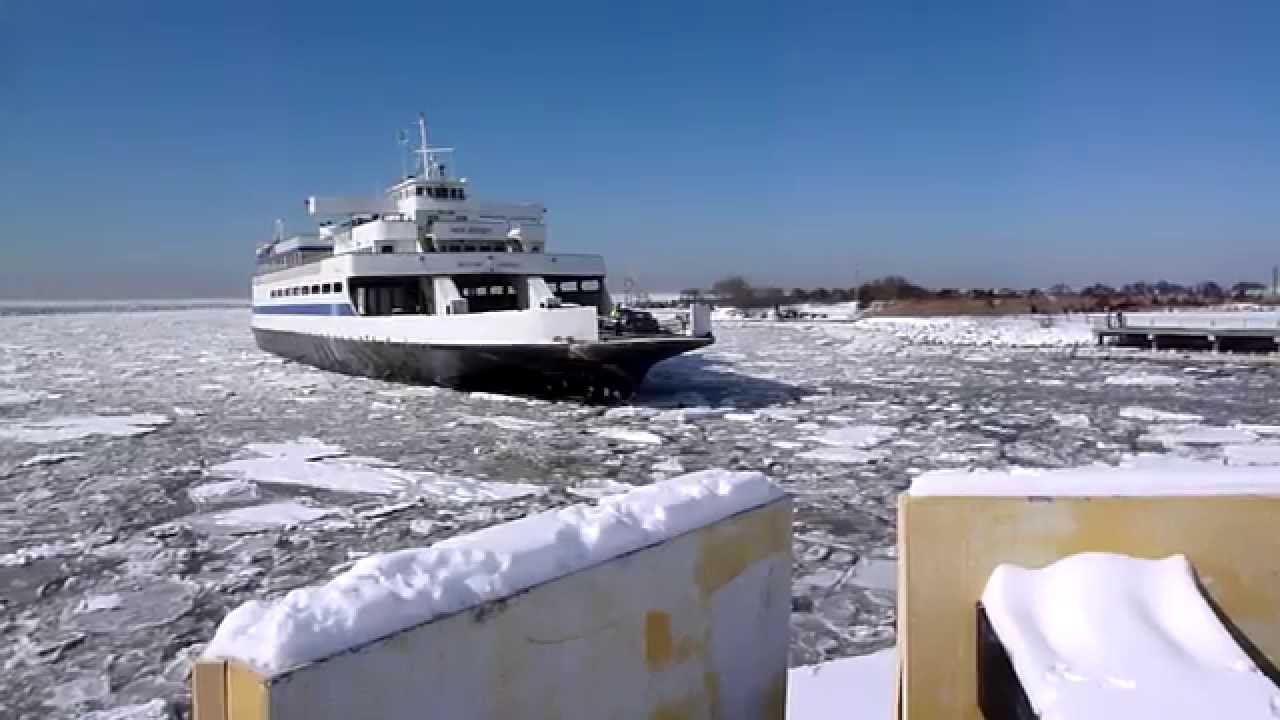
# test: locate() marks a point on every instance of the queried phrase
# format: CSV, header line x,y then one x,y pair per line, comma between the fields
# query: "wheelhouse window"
x,y
304,290
326,288
585,291
315,289
337,287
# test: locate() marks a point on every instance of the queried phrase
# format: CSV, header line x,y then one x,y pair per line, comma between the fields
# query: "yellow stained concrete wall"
x,y
948,547
696,627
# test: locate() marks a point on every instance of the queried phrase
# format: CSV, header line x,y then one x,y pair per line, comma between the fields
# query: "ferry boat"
x,y
426,285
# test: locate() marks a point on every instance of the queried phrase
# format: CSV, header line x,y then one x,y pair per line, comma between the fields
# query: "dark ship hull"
x,y
600,372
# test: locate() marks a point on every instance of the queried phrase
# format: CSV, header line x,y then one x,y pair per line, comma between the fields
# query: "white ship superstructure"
x,y
428,285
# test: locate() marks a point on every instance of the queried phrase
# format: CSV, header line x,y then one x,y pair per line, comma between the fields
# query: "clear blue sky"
x,y
145,147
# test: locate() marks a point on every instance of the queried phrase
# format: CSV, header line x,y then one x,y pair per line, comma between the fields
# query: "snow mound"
x,y
383,594
77,427
1101,635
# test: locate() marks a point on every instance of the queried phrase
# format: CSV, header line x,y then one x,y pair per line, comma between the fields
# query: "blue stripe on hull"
x,y
308,309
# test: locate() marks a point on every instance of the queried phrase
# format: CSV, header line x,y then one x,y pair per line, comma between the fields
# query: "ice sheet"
x,y
1146,414
75,427
1150,475
261,517
640,437
381,594
226,491
1099,635
1143,380
856,436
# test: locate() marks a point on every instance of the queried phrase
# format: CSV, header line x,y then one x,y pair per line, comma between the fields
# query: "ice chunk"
x,y
382,594
49,459
1143,379
155,709
596,489
137,602
1071,420
16,397
307,462
262,517
76,427
446,488
856,436
1134,412
1199,435
875,573
1252,454
1101,635
845,456
832,689
640,437
227,491
94,603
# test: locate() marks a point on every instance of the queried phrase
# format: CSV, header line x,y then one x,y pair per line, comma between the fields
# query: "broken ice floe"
x,y
133,603
639,437
1143,380
312,463
1147,414
62,429
10,398
238,490
255,518
49,459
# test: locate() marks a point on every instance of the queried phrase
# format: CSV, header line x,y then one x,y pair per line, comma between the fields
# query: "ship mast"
x,y
431,170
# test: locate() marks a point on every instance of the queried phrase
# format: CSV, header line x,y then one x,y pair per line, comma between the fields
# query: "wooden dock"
x,y
1251,332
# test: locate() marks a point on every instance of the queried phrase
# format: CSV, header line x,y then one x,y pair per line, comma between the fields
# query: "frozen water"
x,y
16,397
642,437
1143,379
858,436
49,459
1160,416
976,396
62,429
259,517
225,491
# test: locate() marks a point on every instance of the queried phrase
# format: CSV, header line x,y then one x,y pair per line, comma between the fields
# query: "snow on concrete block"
x,y
1100,635
955,529
633,607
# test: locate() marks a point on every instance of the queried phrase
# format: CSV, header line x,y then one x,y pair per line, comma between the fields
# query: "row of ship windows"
x,y
323,289
439,193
